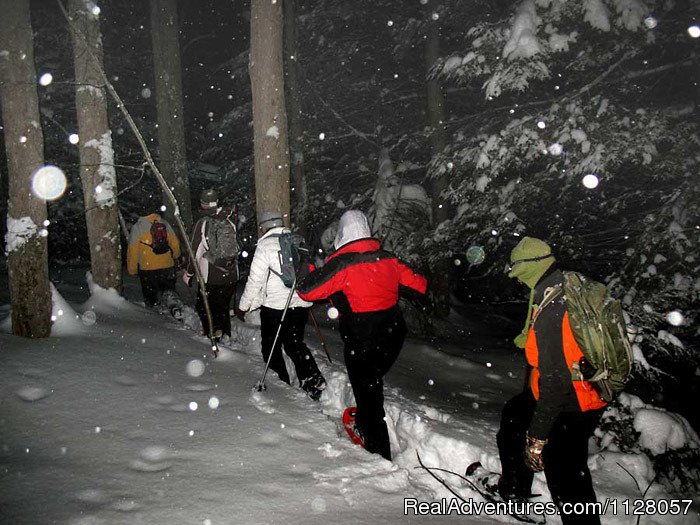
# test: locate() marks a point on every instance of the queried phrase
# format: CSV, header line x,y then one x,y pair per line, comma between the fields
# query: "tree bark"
x,y
27,259
169,106
97,173
440,282
300,196
269,111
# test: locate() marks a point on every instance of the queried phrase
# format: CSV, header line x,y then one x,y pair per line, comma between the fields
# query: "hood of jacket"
x,y
353,225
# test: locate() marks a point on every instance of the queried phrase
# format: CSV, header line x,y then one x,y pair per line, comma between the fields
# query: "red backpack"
x,y
159,238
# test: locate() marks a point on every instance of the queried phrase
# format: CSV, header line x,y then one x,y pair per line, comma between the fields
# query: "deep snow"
x,y
99,426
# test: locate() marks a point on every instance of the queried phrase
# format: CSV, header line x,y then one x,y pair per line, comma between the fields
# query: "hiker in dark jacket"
x,y
220,279
364,282
154,261
547,427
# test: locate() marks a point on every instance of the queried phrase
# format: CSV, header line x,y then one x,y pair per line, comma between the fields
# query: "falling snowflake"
x,y
46,79
590,181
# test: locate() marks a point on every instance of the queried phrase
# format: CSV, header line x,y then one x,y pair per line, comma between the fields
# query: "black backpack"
x,y
222,242
292,256
159,238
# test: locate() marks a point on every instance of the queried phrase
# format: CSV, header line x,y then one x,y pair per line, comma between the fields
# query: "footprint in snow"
x,y
299,471
262,402
156,453
152,459
93,496
299,435
494,377
270,439
35,373
31,393
139,465
88,520
124,380
165,400
199,387
125,504
328,451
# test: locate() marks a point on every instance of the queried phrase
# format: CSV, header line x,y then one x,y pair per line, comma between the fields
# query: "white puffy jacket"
x,y
265,288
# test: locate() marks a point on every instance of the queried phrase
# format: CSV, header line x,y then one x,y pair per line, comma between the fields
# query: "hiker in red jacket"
x,y
364,282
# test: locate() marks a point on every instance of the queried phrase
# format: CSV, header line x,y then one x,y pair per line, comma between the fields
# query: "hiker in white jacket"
x,y
265,290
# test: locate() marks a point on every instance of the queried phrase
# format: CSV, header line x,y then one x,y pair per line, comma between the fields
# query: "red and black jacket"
x,y
368,277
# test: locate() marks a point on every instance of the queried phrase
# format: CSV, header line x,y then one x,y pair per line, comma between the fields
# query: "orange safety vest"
x,y
588,398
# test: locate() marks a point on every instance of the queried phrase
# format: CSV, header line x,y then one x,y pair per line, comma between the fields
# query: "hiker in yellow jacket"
x,y
153,251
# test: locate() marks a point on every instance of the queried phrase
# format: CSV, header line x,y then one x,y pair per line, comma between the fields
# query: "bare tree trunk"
x,y
97,171
27,260
300,195
171,125
440,283
269,111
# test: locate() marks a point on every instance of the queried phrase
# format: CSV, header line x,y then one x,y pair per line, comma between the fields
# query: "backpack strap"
x,y
204,236
279,258
550,294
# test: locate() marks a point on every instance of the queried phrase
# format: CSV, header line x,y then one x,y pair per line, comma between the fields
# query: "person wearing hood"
x,y
264,289
364,282
217,226
153,251
547,427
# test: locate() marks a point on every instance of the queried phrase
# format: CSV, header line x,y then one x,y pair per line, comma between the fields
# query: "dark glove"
x,y
187,278
533,453
240,314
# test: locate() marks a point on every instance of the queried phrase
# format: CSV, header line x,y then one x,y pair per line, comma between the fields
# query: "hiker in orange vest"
x,y
547,426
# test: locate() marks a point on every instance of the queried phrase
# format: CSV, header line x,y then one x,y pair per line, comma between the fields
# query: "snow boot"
x,y
314,386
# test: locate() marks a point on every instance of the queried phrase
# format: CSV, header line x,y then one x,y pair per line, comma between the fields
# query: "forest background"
x,y
457,128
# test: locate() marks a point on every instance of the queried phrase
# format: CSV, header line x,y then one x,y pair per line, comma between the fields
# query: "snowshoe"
x,y
176,312
487,480
351,428
483,482
314,386
489,485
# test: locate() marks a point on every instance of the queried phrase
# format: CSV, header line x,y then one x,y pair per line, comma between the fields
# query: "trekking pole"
x,y
320,337
260,387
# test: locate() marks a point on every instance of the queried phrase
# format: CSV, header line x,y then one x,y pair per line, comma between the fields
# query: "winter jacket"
x,y
264,287
212,274
365,277
140,256
551,350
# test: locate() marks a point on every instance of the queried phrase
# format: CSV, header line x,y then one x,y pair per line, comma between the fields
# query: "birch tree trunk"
x,y
27,259
97,173
300,204
169,107
440,283
269,111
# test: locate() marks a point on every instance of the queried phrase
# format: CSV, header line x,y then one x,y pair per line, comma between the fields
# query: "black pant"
x,y
219,302
291,337
155,282
565,455
373,341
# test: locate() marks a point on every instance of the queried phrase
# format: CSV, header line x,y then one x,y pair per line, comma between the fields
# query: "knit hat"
x,y
270,219
208,199
529,260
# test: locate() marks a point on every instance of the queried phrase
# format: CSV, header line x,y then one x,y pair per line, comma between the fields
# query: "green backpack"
x,y
599,329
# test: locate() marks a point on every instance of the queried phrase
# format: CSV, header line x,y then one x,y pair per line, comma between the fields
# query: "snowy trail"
x,y
98,426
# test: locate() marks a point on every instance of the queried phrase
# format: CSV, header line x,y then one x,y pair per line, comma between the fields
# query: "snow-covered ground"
x,y
123,417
